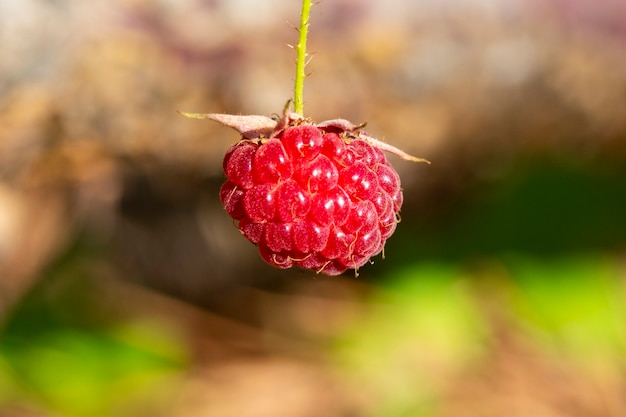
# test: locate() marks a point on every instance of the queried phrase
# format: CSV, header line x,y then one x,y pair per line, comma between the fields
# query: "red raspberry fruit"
x,y
315,196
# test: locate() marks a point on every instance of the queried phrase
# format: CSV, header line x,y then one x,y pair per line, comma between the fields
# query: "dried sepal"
x,y
257,126
250,126
339,124
354,130
383,146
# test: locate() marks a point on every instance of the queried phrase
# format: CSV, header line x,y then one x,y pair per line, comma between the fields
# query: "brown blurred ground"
x,y
91,148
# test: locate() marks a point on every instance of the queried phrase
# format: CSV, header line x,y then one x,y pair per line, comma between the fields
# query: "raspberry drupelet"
x,y
318,196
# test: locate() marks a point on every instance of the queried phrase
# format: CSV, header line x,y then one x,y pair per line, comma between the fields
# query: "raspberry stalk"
x,y
301,58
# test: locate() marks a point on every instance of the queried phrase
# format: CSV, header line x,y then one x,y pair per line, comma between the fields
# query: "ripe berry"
x,y
315,196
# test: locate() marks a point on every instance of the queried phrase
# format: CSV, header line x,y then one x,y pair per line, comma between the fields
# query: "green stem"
x,y
301,58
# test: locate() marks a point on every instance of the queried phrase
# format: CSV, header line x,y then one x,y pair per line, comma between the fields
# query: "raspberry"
x,y
315,196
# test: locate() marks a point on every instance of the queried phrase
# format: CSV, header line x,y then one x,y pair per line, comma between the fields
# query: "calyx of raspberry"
x,y
321,196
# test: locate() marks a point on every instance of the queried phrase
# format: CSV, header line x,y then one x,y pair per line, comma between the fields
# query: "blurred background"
x,y
125,290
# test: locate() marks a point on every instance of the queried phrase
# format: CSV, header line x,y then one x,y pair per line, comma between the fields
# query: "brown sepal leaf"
x,y
250,126
257,126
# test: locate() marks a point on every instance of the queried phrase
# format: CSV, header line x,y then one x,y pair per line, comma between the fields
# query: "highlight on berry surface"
x,y
320,196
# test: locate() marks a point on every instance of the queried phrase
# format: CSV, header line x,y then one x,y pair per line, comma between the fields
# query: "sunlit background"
x,y
125,290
